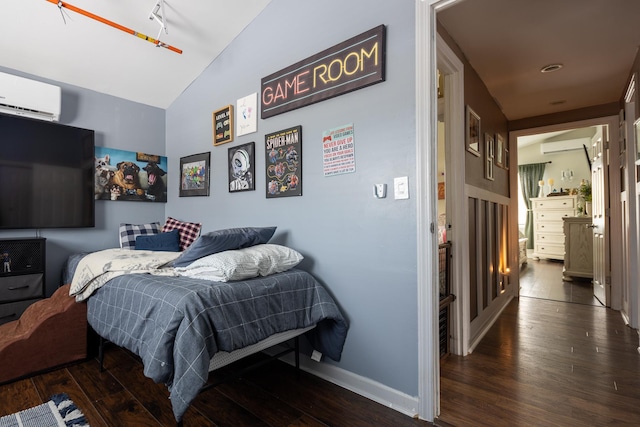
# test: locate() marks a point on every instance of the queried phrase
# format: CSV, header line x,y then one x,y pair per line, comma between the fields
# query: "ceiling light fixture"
x,y
551,68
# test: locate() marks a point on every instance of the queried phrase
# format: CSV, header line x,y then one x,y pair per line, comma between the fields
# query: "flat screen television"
x,y
46,174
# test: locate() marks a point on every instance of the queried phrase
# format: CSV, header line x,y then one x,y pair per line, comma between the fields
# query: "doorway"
x,y
564,156
566,161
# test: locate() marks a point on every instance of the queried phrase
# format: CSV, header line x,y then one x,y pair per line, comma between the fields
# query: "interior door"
x,y
599,185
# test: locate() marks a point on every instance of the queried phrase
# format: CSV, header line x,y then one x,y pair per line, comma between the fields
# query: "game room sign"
x,y
345,67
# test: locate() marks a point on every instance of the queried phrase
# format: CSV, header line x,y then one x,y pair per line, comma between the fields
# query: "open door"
x,y
599,185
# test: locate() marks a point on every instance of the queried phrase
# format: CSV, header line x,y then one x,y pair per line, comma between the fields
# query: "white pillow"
x,y
240,264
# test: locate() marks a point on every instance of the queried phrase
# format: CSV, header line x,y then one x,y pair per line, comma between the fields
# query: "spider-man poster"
x,y
283,151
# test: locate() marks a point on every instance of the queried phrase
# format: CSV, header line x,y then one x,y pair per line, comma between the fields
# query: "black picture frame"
x,y
195,175
241,167
283,163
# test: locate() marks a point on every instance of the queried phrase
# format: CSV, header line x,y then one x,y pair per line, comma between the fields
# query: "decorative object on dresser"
x,y
22,276
548,230
578,248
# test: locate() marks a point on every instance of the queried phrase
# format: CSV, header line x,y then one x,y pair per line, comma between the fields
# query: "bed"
x,y
183,327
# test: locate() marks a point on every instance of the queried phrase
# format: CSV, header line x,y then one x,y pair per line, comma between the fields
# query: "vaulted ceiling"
x,y
506,41
38,37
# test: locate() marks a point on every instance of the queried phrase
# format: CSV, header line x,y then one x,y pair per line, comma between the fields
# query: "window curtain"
x,y
529,176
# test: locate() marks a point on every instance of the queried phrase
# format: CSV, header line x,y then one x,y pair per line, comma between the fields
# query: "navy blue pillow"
x,y
224,240
168,242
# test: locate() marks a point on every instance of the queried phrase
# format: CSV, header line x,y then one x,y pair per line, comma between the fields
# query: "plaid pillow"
x,y
129,232
189,231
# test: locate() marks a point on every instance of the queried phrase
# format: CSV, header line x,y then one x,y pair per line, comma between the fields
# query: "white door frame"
x,y
426,189
457,203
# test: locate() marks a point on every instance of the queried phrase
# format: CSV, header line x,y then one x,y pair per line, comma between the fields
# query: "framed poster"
x,y
489,153
242,168
283,165
194,175
122,175
223,125
247,114
472,138
499,157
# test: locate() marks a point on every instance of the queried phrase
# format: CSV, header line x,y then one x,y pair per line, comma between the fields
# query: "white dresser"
x,y
548,212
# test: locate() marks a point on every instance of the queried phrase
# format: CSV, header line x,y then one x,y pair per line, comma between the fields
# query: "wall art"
x,y
247,115
194,175
242,167
472,137
283,150
223,125
122,175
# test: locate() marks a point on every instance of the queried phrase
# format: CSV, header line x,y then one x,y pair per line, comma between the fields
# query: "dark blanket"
x,y
177,324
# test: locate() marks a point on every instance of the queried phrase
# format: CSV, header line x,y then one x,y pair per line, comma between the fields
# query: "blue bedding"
x,y
177,324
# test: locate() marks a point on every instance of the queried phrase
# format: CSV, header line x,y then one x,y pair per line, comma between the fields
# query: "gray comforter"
x,y
176,324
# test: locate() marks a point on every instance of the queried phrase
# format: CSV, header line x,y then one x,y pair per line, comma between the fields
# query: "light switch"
x,y
401,187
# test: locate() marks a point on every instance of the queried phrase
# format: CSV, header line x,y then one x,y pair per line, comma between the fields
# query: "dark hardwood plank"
x,y
61,380
546,363
128,370
122,409
18,396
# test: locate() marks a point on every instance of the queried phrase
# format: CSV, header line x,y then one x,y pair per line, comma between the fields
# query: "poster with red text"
x,y
338,150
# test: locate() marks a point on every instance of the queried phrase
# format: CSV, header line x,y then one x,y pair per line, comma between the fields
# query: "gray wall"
x,y
361,248
118,124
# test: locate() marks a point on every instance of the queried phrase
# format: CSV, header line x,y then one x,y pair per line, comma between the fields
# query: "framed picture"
x,y
499,155
489,154
247,114
129,176
223,125
637,126
242,171
473,132
283,163
506,153
194,175
441,191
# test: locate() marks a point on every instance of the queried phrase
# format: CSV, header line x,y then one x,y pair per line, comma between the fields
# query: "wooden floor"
x,y
274,395
543,279
546,363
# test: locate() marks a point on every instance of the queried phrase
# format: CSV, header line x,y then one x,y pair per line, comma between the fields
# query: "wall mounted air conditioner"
x,y
566,145
29,98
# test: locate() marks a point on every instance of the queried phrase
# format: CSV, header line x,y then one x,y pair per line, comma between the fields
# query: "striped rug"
x,y
60,411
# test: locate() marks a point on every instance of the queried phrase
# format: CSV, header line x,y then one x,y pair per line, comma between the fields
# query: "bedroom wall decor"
x,y
489,155
473,132
242,167
194,175
283,150
338,150
353,64
499,155
223,125
122,175
247,114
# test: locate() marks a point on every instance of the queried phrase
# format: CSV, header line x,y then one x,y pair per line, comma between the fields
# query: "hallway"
x,y
546,363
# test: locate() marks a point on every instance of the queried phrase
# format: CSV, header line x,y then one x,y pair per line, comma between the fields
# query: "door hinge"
x,y
433,228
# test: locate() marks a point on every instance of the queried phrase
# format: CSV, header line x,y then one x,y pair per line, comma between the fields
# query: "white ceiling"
x,y
84,52
506,41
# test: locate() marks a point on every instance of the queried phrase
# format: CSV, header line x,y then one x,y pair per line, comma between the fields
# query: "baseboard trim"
x,y
365,387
